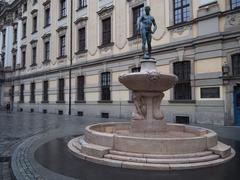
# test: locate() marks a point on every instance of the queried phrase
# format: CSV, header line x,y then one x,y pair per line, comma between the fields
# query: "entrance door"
x,y
237,105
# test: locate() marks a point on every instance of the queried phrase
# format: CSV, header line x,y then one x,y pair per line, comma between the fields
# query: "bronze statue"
x,y
144,26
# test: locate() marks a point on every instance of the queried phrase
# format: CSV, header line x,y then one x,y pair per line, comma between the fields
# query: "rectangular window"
x,y
23,59
80,88
34,24
62,45
47,51
15,35
4,38
14,62
82,4
34,56
82,39
182,90
21,93
24,29
61,90
62,8
236,64
47,17
32,93
181,11
105,86
106,31
137,12
211,92
235,4
45,91
12,93
25,7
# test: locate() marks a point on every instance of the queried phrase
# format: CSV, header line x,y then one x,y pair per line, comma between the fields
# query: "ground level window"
x,y
211,92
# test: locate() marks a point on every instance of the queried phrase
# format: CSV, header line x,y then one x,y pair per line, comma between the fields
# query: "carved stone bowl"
x,y
148,81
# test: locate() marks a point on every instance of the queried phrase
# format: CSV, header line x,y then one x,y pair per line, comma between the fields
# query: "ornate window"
x,y
182,90
23,58
236,64
80,88
47,51
34,26
62,51
106,31
21,98
34,56
105,86
82,4
32,93
137,12
61,90
24,29
235,4
47,17
63,10
82,39
45,91
181,11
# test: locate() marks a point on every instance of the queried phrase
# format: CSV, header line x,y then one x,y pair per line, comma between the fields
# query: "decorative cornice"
x,y
81,19
24,46
46,35
46,2
105,10
62,28
34,11
33,41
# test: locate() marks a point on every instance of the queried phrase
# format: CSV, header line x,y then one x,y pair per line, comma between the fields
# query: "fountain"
x,y
148,142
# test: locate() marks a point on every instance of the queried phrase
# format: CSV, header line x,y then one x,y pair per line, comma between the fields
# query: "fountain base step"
x,y
107,156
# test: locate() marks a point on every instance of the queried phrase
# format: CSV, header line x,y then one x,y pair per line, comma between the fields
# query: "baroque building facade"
x,y
65,57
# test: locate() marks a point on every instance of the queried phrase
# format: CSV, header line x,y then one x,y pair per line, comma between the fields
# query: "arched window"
x,y
182,90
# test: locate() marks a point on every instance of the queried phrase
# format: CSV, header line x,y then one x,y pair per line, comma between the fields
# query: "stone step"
x,y
157,156
221,149
92,149
162,161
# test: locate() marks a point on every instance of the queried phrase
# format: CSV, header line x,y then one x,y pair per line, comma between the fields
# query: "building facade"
x,y
65,57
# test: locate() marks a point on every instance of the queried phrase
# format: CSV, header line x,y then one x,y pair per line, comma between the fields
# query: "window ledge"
x,y
62,17
175,26
134,37
62,57
208,4
60,102
105,101
80,102
47,61
32,102
81,52
33,65
45,102
183,101
47,25
81,8
34,32
106,45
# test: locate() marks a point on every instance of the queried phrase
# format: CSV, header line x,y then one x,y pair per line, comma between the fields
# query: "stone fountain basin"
x,y
148,81
178,139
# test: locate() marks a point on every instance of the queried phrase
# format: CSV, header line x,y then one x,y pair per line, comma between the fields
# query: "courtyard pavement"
x,y
15,128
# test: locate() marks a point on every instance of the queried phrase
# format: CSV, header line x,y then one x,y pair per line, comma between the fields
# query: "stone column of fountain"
x,y
148,86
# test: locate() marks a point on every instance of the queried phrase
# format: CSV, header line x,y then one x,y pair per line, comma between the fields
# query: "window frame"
x,y
45,96
82,4
80,88
182,69
236,7
181,7
105,86
62,45
139,7
82,39
63,9
32,92
107,30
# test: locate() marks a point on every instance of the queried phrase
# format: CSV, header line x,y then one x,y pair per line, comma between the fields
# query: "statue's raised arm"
x,y
144,26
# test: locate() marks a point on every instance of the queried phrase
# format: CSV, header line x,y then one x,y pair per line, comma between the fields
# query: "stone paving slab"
x,y
23,133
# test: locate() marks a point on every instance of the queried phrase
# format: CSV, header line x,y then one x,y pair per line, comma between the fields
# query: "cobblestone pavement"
x,y
17,127
23,133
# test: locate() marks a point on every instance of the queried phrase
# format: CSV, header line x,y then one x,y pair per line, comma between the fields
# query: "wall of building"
x,y
207,40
